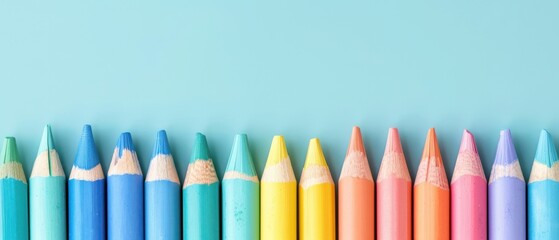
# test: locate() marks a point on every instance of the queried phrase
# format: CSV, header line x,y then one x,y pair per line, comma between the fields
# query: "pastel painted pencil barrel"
x,y
162,194
13,194
317,201
200,195
506,194
543,191
86,193
241,194
468,190
394,192
278,195
125,193
47,193
431,202
356,193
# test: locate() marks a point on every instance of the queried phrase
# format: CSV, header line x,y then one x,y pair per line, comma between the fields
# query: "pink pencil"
x,y
394,193
468,191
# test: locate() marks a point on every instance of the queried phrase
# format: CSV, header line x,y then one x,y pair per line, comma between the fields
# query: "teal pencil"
x,y
200,195
13,195
47,193
241,194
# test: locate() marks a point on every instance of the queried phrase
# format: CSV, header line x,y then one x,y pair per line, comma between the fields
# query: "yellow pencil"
x,y
278,195
317,201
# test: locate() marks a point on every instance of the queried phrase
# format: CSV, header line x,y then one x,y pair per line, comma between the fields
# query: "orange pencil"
x,y
394,192
356,193
431,203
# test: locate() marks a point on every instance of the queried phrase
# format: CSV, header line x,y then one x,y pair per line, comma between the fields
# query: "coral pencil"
x,y
506,194
278,195
356,193
200,195
47,193
13,194
431,202
125,193
241,194
317,201
162,194
543,192
394,188
468,189
86,193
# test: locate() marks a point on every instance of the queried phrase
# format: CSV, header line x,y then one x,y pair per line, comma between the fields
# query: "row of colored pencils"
x,y
125,206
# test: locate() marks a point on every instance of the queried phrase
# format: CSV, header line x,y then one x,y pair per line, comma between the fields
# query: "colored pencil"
x,y
47,193
278,195
543,191
468,189
431,196
125,193
356,193
13,194
200,195
162,194
317,201
241,194
506,194
394,192
86,192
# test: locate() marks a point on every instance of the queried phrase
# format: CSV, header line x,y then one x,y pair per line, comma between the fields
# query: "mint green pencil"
x,y
47,193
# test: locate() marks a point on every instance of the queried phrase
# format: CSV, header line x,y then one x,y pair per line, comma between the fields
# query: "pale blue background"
x,y
298,68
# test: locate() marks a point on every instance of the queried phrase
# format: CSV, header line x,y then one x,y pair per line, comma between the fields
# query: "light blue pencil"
x,y
86,193
543,192
200,195
125,193
14,218
162,194
47,193
241,194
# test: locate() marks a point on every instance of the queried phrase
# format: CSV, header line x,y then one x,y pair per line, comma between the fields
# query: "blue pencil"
x,y
86,192
125,193
162,196
241,194
200,195
14,218
543,192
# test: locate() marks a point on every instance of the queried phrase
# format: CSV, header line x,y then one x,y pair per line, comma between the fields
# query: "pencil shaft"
x,y
13,210
394,201
241,209
47,205
279,210
317,214
201,211
431,212
162,203
543,210
125,207
507,209
356,198
469,208
86,209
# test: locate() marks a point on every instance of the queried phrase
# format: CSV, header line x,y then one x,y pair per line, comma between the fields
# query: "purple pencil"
x,y
507,193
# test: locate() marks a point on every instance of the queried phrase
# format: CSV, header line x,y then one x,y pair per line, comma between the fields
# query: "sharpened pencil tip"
x,y
356,142
161,144
315,156
546,152
86,156
200,151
